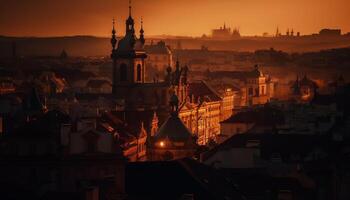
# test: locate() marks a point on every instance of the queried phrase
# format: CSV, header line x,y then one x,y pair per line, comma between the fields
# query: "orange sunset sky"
x,y
171,17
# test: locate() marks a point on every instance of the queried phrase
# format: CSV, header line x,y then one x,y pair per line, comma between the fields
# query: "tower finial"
x,y
142,37
141,23
129,7
114,37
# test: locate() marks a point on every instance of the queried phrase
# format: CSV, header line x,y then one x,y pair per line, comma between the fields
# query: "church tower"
x,y
128,57
130,88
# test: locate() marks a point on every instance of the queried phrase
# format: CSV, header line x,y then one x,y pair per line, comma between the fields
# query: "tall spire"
x,y
142,37
141,23
130,22
114,37
130,8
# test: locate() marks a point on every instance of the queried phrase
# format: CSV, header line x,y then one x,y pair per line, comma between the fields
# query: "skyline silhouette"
x,y
185,18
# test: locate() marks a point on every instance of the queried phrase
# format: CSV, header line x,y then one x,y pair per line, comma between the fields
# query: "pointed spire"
x,y
114,37
130,22
277,32
142,37
141,23
130,8
113,23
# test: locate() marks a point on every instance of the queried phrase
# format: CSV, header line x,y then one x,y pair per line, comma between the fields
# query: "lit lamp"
x,y
161,144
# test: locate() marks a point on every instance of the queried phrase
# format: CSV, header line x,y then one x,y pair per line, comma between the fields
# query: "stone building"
x,y
254,87
159,57
202,111
261,119
130,137
303,90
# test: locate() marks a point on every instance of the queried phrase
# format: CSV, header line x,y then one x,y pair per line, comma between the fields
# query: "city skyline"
x,y
92,17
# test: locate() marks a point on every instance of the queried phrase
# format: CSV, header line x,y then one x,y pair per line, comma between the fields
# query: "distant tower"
x,y
292,33
298,34
277,32
287,32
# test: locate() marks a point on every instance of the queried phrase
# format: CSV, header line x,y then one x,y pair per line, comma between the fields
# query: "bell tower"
x,y
128,57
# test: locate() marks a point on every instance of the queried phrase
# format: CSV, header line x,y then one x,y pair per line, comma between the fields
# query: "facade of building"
x,y
262,119
132,140
202,111
159,57
252,87
303,90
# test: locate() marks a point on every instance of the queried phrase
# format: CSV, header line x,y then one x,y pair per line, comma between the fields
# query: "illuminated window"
x,y
262,90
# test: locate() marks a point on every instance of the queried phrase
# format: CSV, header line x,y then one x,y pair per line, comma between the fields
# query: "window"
x,y
263,90
123,72
250,91
138,73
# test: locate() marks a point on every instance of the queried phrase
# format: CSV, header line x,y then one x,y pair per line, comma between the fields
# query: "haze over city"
x,y
174,100
170,17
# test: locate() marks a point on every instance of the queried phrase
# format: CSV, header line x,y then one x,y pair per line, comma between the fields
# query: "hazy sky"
x,y
174,17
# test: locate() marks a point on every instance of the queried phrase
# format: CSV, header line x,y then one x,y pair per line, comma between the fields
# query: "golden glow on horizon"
x,y
180,17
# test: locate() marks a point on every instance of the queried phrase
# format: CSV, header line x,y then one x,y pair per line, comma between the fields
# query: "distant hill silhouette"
x,y
99,46
53,46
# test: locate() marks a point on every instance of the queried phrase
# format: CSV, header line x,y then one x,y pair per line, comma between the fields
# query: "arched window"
x,y
138,72
123,72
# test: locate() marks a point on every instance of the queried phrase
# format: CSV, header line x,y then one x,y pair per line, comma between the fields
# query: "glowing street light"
x,y
162,144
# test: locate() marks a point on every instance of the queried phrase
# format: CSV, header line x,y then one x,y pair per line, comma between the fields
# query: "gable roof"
x,y
201,89
174,130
